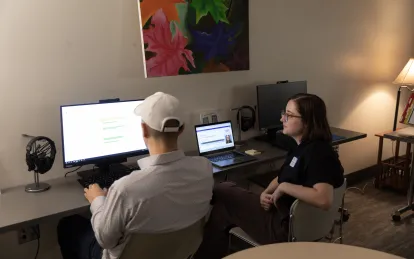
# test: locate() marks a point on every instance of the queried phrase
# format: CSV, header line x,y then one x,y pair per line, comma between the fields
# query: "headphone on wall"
x,y
247,122
40,154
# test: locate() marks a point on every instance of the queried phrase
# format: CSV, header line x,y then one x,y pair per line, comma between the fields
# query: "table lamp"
x,y
404,79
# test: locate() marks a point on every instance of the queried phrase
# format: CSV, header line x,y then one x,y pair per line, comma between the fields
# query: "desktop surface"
x,y
339,136
345,136
19,208
404,134
66,197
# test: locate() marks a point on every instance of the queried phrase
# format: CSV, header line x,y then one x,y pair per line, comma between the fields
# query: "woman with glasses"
x,y
310,173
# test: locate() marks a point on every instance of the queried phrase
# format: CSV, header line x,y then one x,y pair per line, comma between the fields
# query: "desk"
x,y
270,152
18,208
298,250
347,134
273,157
404,135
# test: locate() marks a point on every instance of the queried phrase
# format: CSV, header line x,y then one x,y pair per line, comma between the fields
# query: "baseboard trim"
x,y
362,175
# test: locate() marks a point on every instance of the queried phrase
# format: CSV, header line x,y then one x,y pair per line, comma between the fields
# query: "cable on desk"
x,y
73,170
35,229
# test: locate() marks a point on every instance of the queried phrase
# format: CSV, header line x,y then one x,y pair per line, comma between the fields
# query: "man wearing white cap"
x,y
170,192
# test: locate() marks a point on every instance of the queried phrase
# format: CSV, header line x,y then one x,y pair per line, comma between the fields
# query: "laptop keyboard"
x,y
222,157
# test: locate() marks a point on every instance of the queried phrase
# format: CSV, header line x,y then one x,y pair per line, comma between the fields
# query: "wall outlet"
x,y
28,234
209,117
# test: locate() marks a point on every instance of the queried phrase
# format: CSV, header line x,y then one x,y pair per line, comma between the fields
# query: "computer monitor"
x,y
101,133
272,99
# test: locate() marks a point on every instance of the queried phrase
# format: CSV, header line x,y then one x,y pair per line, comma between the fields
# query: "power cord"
x,y
37,231
73,170
361,190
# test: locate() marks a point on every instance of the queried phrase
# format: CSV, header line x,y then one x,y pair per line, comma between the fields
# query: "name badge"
x,y
293,162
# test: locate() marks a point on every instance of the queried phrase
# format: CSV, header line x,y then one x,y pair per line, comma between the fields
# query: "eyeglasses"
x,y
286,116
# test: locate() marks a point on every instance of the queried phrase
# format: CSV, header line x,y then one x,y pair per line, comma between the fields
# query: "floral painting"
x,y
194,36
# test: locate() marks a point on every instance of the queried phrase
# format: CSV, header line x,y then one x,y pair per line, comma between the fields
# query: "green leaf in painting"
x,y
182,10
216,8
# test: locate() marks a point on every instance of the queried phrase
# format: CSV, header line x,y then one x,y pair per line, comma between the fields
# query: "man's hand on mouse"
x,y
94,191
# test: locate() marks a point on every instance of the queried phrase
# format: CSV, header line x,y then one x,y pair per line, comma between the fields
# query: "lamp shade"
x,y
406,77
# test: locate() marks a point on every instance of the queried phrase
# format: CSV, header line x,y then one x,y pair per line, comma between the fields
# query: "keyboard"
x,y
222,157
105,180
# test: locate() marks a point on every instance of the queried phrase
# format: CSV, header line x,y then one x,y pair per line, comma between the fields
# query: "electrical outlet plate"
x,y
211,116
28,234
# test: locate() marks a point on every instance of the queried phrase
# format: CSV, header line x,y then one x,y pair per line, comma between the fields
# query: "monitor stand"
x,y
268,136
278,139
104,168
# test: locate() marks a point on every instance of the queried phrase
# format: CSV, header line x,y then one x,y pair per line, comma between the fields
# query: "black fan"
x,y
40,156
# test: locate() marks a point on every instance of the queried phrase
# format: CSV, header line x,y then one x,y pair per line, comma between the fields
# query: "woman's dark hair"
x,y
312,109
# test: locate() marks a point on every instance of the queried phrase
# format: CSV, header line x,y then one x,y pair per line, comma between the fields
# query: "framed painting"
x,y
183,37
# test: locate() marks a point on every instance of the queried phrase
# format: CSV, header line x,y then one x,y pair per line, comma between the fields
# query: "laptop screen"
x,y
214,137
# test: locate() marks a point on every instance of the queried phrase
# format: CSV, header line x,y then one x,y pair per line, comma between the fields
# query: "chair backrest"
x,y
308,223
180,244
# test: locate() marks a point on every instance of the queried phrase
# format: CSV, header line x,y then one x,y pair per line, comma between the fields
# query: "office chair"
x,y
181,244
308,223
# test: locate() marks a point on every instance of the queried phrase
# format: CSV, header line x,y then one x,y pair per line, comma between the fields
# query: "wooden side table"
x,y
393,172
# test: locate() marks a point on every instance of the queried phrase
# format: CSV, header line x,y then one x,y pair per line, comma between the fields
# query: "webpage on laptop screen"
x,y
215,137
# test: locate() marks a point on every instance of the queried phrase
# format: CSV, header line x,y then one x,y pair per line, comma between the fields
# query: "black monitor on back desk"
x,y
271,100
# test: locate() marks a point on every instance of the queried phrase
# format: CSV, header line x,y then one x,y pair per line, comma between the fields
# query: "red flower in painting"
x,y
171,54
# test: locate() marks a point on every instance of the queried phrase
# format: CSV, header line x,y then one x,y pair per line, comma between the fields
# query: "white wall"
x,y
55,52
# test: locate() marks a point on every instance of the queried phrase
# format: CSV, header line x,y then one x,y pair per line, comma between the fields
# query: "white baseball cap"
x,y
159,108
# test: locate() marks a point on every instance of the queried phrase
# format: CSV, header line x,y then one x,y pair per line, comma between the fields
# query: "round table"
x,y
307,250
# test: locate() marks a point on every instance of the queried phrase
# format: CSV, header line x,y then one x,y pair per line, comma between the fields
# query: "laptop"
x,y
215,142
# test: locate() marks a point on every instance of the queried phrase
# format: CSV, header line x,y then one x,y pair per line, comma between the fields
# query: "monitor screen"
x,y
272,99
91,132
214,137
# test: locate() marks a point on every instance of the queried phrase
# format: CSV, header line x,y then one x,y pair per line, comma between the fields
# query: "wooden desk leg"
x,y
394,176
380,144
379,161
397,151
406,175
397,214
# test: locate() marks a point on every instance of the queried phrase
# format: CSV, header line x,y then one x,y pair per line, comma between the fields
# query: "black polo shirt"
x,y
310,163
